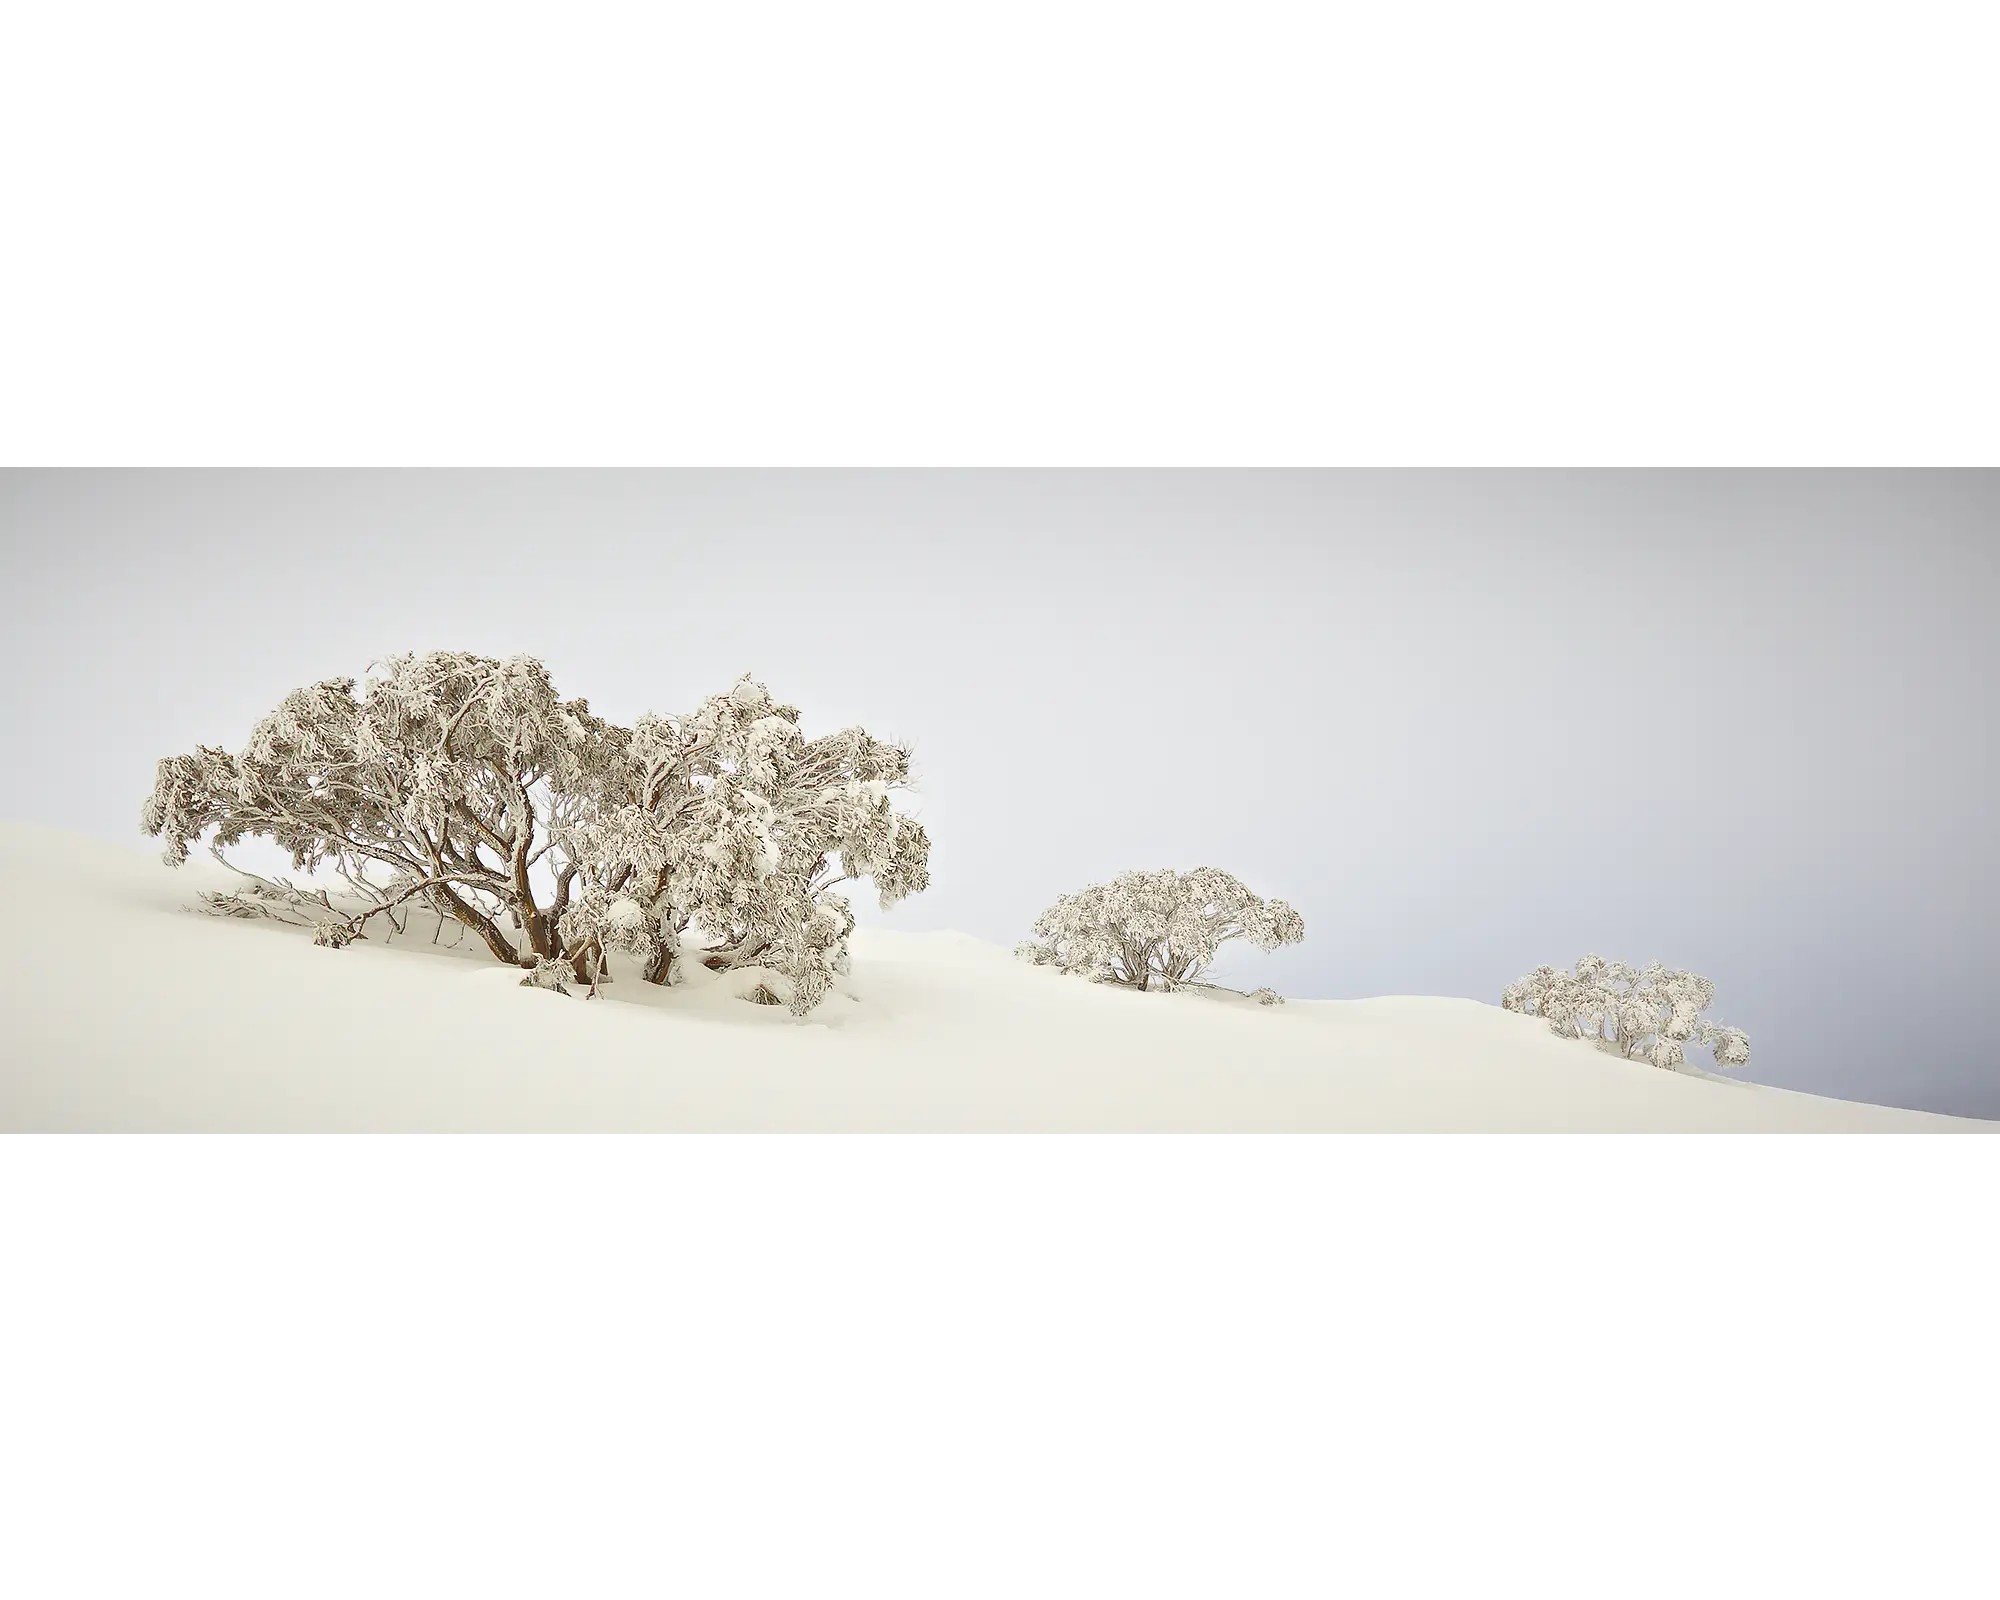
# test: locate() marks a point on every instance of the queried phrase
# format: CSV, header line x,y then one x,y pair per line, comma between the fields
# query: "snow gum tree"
x,y
1644,1015
1158,930
467,784
731,821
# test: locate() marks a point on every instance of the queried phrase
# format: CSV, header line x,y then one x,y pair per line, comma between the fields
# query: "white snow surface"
x,y
124,1012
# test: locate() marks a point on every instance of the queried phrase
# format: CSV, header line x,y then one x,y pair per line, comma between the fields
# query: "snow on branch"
x,y
1642,1014
448,777
1158,930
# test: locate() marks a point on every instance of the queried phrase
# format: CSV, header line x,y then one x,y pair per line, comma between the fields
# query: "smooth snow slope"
x,y
124,1012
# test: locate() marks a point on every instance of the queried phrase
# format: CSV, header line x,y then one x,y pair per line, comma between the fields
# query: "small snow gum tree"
x,y
459,781
1644,1015
1158,930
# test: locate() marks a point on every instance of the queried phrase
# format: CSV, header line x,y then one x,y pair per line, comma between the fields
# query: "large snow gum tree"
x,y
1157,930
468,784
1643,1014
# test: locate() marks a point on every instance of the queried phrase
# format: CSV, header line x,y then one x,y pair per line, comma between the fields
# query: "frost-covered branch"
x,y
1160,929
462,774
1644,1015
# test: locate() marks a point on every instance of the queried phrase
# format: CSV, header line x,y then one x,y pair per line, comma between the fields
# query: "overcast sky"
x,y
1467,723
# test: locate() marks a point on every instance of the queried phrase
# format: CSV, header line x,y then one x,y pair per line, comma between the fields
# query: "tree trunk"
x,y
542,937
580,963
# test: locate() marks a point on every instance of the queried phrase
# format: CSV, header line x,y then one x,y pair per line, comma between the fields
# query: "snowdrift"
x,y
123,1012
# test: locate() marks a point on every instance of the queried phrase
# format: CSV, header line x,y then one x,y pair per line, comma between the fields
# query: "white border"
x,y
1088,233
995,1366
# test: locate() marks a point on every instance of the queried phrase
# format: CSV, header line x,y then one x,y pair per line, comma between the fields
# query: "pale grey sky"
x,y
1467,722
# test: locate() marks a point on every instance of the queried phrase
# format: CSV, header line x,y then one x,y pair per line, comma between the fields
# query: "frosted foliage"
x,y
548,974
731,819
1644,1014
1156,930
469,783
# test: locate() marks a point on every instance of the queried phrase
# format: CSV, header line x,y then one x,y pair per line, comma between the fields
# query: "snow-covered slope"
x,y
122,1011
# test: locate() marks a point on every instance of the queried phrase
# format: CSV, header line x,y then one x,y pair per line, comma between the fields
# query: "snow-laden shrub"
x,y
1267,997
548,973
1161,930
468,784
1645,1015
